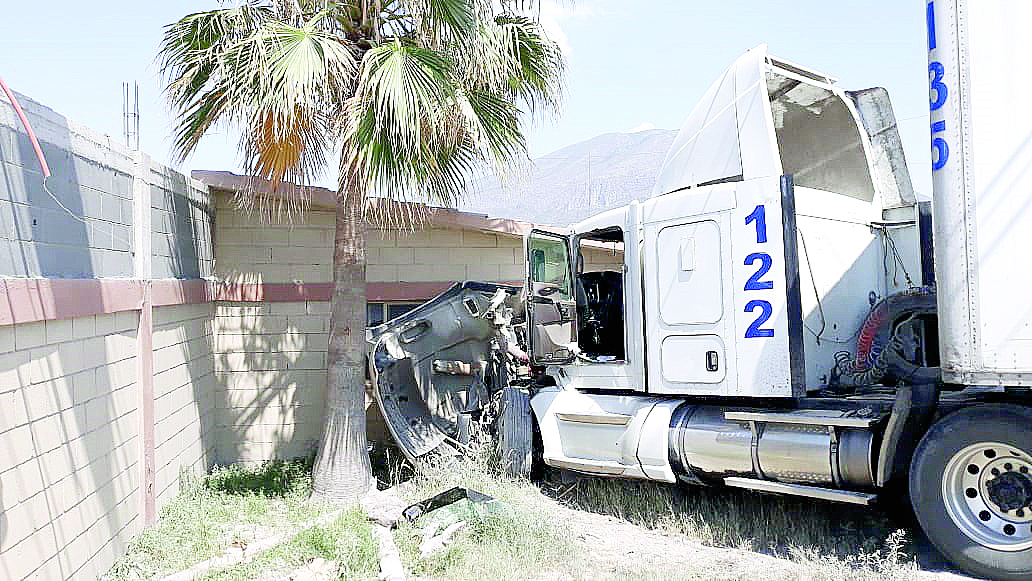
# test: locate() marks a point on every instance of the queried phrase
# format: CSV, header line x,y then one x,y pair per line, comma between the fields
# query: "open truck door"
x,y
551,303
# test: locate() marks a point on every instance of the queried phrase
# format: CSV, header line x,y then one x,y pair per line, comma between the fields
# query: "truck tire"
x,y
971,489
515,433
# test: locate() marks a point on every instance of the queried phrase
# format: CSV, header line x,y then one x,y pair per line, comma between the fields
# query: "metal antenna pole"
x,y
131,116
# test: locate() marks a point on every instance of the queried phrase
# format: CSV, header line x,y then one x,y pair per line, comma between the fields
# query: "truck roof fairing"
x,y
767,117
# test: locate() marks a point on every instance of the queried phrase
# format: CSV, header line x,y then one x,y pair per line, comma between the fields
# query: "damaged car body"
x,y
442,367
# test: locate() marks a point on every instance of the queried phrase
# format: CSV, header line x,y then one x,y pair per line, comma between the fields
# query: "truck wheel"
x,y
515,433
971,489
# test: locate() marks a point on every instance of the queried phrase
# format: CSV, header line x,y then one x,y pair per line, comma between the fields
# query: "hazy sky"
x,y
631,65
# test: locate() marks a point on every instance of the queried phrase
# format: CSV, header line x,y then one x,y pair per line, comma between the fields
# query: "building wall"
x,y
270,376
70,434
182,217
70,396
184,395
83,226
69,445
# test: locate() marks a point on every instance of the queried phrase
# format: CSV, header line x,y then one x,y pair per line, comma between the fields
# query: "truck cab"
x,y
774,219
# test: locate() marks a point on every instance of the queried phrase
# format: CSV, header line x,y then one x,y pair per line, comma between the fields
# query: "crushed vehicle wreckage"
x,y
451,365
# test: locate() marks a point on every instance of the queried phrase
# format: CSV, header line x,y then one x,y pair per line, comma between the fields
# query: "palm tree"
x,y
416,94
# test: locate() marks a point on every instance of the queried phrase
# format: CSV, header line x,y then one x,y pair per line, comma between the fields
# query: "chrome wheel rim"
x,y
966,492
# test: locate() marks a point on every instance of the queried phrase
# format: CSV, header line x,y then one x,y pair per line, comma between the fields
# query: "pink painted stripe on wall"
x,y
37,299
28,300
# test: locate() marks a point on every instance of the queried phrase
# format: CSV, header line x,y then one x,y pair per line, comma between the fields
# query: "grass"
x,y
522,540
826,540
348,540
237,503
717,517
530,538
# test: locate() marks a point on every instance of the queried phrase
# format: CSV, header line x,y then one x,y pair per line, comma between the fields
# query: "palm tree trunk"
x,y
342,470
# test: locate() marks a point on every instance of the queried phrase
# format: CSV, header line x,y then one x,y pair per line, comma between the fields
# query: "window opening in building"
x,y
380,312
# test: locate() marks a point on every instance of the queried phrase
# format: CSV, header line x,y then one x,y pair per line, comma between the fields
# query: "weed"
x,y
735,519
210,512
348,540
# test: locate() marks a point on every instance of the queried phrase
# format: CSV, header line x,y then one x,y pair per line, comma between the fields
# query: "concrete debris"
x,y
390,560
318,569
435,542
382,507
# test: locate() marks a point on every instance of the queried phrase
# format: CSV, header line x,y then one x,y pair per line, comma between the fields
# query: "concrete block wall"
x,y
253,249
80,225
184,395
270,369
69,446
250,249
596,259
182,218
83,227
438,254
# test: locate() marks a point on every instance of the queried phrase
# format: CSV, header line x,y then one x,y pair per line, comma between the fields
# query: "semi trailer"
x,y
789,317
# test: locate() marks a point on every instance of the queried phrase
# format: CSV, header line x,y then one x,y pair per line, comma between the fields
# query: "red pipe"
x,y
28,129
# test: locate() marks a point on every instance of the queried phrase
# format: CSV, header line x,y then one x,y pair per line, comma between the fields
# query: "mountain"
x,y
576,181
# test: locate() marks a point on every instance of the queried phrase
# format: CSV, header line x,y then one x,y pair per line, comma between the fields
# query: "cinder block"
x,y
482,272
122,373
506,241
17,445
318,308
106,324
12,411
475,256
58,330
114,263
471,239
44,364
83,327
41,400
273,272
445,237
381,239
293,308
413,238
29,335
382,273
320,218
396,256
432,255
418,273
6,339
46,433
317,273
111,209
56,465
312,237
71,355
127,321
512,273
269,236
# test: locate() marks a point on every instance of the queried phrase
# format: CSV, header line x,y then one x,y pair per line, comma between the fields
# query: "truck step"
x,y
596,418
601,467
805,417
802,490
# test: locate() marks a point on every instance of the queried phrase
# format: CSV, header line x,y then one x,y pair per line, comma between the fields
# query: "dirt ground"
x,y
616,549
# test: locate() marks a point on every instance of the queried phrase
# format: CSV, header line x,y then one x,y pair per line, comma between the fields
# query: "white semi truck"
x,y
789,318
